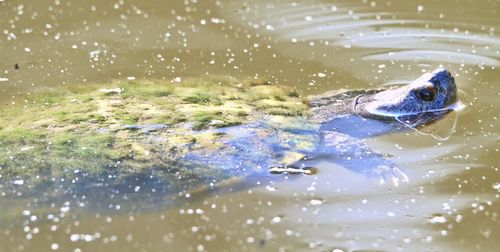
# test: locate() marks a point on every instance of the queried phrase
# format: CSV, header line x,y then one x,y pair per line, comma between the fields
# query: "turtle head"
x,y
426,99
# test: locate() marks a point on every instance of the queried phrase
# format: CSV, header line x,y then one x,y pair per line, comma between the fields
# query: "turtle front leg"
x,y
353,154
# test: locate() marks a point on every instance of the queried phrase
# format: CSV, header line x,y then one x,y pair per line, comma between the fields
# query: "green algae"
x,y
203,120
81,130
201,98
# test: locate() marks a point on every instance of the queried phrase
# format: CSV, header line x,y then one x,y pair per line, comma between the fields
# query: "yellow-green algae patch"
x,y
129,127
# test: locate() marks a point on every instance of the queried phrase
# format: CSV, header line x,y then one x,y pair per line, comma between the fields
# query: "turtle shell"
x,y
184,135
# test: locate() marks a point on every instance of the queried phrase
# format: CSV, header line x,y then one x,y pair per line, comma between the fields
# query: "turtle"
x,y
195,134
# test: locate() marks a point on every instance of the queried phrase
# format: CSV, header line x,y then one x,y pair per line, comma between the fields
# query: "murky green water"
x,y
450,204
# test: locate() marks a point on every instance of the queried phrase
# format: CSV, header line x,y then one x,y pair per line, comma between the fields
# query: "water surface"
x,y
450,204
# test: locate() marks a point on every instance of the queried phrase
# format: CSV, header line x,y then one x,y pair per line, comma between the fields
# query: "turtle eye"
x,y
427,93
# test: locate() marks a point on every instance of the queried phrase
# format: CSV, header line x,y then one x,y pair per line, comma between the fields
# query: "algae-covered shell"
x,y
199,131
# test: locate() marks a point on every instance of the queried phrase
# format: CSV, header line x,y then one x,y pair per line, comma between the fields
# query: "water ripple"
x,y
401,36
437,56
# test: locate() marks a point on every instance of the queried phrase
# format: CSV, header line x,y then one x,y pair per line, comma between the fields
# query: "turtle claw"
x,y
400,175
390,173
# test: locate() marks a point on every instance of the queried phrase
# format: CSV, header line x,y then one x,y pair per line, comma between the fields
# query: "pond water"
x,y
451,202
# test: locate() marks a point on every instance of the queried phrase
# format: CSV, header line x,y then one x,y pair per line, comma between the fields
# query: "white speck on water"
x,y
74,237
84,237
3,79
316,202
308,18
94,54
26,212
446,206
131,78
18,182
271,188
496,186
276,219
312,187
137,188
217,21
391,214
420,8
200,247
428,238
334,8
438,219
177,79
89,238
250,221
381,66
27,49
64,209
54,246
321,75
313,245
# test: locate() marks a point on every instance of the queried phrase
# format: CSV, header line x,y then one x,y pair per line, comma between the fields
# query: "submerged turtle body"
x,y
202,132
183,135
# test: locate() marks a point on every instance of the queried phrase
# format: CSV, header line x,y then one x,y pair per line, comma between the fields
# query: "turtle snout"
x,y
442,71
442,78
443,81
